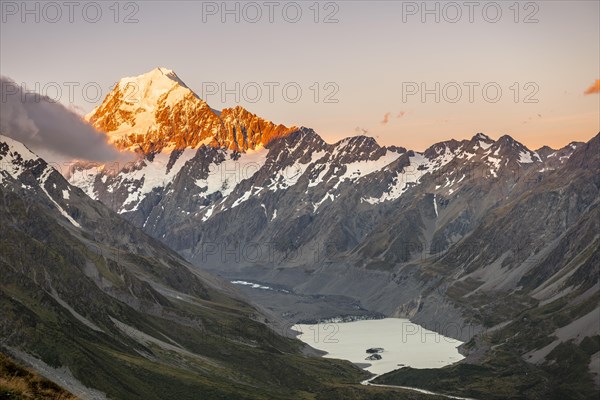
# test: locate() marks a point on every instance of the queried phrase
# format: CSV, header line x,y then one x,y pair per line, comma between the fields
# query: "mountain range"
x,y
97,306
482,240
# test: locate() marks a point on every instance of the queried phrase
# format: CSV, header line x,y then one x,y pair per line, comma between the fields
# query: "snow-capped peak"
x,y
156,111
137,104
146,90
164,71
159,76
16,149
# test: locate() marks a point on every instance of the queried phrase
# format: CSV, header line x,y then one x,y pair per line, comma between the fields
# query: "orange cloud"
x,y
386,118
595,88
400,114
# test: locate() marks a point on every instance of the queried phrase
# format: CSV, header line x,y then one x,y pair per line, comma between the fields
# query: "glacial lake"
x,y
404,343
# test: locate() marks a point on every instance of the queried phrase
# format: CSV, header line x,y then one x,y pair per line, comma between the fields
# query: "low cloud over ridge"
x,y
43,124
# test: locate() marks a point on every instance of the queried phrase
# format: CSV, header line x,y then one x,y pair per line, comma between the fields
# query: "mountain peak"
x,y
133,108
163,70
158,74
156,110
482,136
16,159
18,148
160,71
507,139
151,85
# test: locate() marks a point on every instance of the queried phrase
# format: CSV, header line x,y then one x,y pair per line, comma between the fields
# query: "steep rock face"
x,y
242,130
157,112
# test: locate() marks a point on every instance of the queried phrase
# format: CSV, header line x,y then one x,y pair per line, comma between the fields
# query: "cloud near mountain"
x,y
386,118
43,124
594,89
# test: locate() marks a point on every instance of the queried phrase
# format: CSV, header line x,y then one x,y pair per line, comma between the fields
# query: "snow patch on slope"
x,y
17,155
225,176
151,174
42,181
411,175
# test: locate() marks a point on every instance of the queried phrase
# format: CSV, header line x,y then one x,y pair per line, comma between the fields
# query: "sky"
x,y
406,73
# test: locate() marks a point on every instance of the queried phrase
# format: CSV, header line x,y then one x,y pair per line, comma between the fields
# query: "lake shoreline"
x,y
401,342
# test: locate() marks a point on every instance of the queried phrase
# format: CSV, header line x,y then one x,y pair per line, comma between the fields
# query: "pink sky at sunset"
x,y
354,71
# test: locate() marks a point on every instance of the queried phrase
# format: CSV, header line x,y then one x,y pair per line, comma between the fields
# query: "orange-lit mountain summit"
x,y
156,111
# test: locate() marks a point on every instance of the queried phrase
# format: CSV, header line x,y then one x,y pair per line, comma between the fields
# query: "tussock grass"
x,y
19,383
